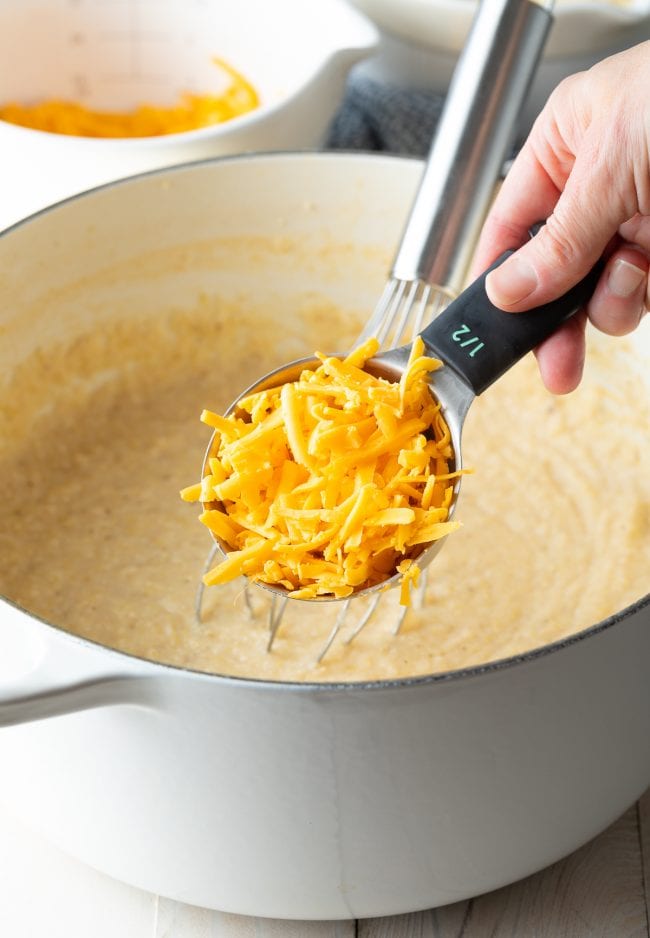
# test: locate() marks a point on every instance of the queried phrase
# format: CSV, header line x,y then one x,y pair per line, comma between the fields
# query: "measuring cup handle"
x,y
481,342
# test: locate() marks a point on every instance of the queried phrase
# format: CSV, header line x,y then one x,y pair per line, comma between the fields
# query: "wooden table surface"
x,y
600,891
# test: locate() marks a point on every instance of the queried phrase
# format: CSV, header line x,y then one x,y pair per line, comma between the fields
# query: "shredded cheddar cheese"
x,y
190,113
332,483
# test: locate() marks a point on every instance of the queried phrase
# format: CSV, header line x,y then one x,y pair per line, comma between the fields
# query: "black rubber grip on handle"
x,y
481,342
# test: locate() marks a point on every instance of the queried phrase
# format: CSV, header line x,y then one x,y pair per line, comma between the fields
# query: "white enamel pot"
x,y
295,801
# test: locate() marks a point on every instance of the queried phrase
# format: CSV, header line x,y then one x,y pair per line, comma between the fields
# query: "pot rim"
x,y
474,671
439,677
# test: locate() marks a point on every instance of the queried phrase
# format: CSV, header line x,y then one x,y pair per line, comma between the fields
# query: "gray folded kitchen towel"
x,y
377,116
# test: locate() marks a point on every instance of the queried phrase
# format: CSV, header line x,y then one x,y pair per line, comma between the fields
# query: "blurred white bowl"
x,y
116,56
421,40
580,26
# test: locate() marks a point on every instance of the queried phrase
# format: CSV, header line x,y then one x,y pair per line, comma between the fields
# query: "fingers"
x,y
584,171
561,357
511,217
616,308
586,216
620,298
534,183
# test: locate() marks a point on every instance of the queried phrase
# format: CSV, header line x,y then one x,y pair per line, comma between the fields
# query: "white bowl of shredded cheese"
x,y
580,26
96,91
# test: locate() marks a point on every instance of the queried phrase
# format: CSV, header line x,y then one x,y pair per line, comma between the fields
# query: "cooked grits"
x,y
95,539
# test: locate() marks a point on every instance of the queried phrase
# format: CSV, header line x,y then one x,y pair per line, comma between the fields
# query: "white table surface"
x,y
600,891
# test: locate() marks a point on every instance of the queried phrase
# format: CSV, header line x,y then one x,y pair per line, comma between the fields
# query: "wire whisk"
x,y
472,141
403,310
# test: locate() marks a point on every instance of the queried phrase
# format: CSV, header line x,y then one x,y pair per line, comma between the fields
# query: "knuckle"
x,y
636,231
565,89
557,245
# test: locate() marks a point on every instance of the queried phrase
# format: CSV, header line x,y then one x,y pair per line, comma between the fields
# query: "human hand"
x,y
585,168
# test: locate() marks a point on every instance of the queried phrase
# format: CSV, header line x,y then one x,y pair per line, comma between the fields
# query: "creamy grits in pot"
x,y
99,434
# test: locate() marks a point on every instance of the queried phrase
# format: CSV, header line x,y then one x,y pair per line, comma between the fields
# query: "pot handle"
x,y
45,672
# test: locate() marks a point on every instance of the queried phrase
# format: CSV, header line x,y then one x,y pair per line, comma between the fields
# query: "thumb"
x,y
585,218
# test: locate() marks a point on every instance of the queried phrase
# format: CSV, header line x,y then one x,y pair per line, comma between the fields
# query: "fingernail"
x,y
513,281
624,278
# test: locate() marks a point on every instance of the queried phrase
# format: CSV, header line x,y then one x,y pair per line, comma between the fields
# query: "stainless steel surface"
x,y
489,85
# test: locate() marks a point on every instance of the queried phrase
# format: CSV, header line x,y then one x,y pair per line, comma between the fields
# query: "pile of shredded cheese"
x,y
190,113
332,483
